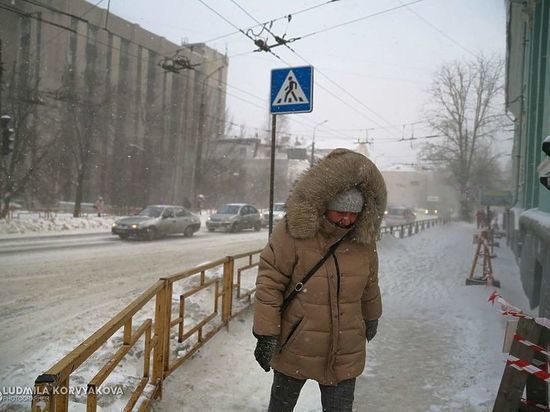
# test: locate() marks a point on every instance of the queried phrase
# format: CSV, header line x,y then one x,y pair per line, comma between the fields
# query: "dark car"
x,y
234,217
399,215
157,221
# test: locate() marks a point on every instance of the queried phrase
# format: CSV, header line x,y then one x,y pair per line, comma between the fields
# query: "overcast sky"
x,y
371,74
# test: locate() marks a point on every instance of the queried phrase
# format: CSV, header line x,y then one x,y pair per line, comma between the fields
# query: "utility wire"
x,y
359,19
320,72
55,10
233,25
286,16
31,16
438,30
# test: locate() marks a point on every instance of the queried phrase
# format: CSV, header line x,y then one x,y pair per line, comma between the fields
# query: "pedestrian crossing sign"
x,y
292,90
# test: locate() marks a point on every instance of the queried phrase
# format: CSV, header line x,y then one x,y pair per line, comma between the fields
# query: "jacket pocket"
x,y
362,326
295,331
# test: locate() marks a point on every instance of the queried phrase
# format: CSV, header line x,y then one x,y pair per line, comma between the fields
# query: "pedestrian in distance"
x,y
317,299
99,206
480,218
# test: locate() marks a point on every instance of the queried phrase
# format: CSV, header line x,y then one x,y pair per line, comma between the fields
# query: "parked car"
x,y
278,214
234,217
156,221
399,215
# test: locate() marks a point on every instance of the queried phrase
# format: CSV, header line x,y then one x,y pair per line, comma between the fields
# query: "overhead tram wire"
x,y
233,25
438,30
31,16
56,10
81,18
324,75
16,11
341,25
274,20
360,19
287,63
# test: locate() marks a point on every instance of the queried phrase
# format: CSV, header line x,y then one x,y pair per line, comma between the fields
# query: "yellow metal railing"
x,y
409,229
52,389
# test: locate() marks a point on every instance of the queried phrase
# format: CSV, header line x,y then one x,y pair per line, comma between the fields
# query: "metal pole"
x,y
312,149
272,175
1,74
313,142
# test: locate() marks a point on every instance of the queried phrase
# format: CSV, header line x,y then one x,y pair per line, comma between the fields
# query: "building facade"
x,y
132,131
528,100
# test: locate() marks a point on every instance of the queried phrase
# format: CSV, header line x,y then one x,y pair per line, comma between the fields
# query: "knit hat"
x,y
350,200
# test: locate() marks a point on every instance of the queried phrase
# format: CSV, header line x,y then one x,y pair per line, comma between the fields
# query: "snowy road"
x,y
50,300
53,242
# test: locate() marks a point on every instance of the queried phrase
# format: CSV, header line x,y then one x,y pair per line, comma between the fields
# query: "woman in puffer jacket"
x,y
320,331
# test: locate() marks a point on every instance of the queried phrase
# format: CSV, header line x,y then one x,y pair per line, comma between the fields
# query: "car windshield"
x,y
396,211
279,207
228,210
151,211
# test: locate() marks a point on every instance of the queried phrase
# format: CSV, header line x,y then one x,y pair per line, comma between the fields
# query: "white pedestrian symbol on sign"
x,y
290,92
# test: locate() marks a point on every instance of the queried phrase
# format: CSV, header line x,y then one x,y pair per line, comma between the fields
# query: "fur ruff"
x,y
340,170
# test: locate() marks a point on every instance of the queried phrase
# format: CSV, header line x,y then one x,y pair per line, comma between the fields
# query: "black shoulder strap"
x,y
300,285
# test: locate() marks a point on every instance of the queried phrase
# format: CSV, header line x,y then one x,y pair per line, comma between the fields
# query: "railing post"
x,y
167,327
162,329
44,398
410,228
401,232
227,298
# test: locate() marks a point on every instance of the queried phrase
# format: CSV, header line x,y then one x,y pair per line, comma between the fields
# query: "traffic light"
x,y
8,139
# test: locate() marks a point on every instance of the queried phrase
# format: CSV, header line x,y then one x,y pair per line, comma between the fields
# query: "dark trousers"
x,y
285,391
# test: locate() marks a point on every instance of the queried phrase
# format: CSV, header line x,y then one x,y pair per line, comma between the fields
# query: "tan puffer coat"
x,y
322,332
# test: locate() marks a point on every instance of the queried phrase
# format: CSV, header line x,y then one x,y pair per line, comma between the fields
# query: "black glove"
x,y
265,350
371,327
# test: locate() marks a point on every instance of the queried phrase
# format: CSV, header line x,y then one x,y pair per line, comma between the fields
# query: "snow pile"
x,y
34,222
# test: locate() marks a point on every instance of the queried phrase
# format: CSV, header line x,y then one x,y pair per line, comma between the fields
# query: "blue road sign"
x,y
292,90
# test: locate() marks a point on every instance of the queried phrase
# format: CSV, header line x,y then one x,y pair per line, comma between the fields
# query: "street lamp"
x,y
313,141
197,170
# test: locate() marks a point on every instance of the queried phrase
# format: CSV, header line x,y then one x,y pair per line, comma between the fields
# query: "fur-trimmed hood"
x,y
341,169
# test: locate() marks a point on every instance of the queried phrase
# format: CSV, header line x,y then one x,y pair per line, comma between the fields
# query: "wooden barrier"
x,y
516,378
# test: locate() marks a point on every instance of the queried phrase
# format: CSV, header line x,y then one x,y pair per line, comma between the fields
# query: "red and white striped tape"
x,y
508,309
532,345
522,365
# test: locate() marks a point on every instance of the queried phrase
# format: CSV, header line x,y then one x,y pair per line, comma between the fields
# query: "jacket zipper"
x,y
337,280
292,332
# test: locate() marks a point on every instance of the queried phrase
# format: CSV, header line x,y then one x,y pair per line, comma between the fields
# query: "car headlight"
x,y
426,211
135,226
114,224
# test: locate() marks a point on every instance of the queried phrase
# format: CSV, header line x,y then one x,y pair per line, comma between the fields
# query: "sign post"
x,y
291,92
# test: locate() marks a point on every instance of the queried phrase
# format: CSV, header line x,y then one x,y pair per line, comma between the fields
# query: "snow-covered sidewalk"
x,y
438,346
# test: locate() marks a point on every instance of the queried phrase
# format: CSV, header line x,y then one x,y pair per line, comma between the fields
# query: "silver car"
x,y
157,221
279,213
234,217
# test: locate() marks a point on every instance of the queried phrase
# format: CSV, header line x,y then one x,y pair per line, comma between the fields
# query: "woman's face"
x,y
342,219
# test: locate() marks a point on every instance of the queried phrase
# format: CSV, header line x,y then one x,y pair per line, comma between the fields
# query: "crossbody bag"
x,y
300,285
